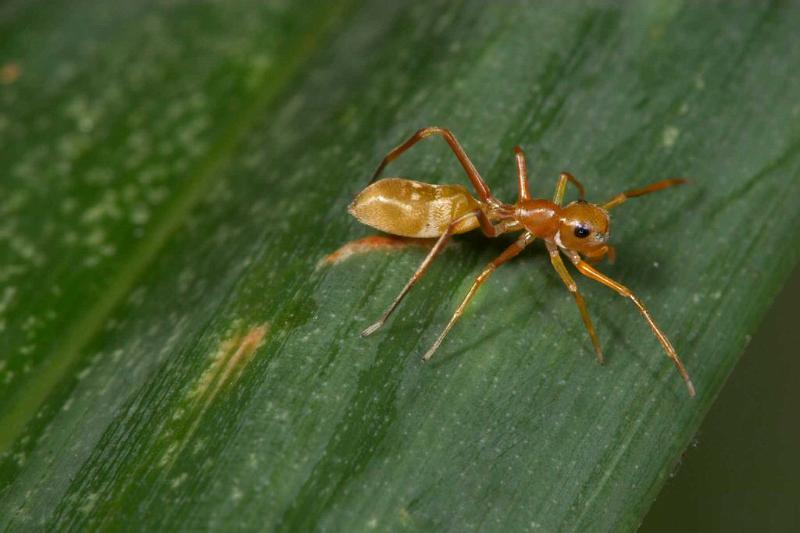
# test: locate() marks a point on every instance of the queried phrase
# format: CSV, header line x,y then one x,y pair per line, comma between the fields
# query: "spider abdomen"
x,y
413,209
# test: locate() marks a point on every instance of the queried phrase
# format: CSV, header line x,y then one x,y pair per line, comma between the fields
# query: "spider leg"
x,y
653,187
590,272
472,173
508,253
522,174
558,265
486,226
561,187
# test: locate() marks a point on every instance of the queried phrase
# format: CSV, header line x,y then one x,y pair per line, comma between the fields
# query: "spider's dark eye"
x,y
582,232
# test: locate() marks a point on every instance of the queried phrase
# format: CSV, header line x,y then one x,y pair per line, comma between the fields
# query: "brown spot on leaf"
x,y
227,364
228,361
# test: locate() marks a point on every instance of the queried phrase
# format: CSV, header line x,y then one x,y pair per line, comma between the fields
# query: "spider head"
x,y
584,228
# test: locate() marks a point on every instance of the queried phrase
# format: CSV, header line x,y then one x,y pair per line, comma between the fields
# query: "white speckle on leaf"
x,y
67,405
6,298
699,82
178,481
88,503
96,237
168,455
669,136
140,214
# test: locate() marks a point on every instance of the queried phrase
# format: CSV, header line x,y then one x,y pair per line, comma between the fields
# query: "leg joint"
x,y
488,271
433,130
572,287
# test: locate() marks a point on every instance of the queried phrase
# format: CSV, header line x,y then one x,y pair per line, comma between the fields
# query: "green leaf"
x,y
174,357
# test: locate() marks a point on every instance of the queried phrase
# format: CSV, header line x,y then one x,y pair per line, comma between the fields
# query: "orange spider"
x,y
413,209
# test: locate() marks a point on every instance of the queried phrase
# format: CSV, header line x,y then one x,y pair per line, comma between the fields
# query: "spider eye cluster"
x,y
582,232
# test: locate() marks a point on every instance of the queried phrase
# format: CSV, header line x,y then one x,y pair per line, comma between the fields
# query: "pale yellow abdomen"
x,y
413,209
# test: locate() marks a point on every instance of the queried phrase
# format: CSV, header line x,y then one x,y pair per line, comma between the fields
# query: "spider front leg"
x,y
522,175
472,173
561,187
590,272
509,253
653,187
558,265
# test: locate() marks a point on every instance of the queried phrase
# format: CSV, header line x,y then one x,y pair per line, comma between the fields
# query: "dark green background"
x,y
741,472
